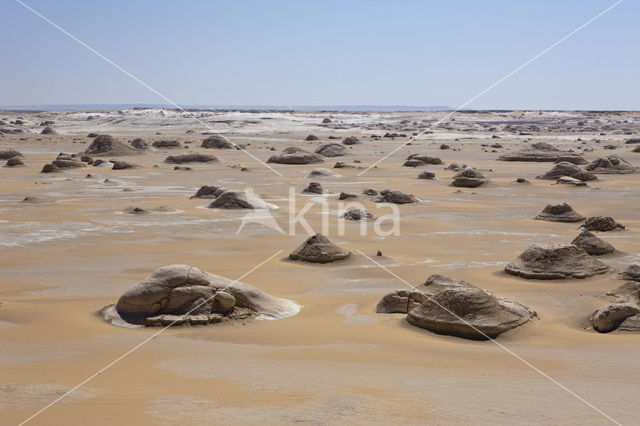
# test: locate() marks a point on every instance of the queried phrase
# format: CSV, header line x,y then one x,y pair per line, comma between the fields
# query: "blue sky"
x,y
301,52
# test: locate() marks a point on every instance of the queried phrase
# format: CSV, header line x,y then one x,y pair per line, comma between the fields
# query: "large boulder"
x,y
48,131
470,313
14,162
612,165
469,178
319,249
543,152
192,157
108,145
625,307
314,188
602,224
218,142
395,196
631,273
209,191
565,168
185,290
5,154
331,150
555,261
559,212
592,244
403,301
293,155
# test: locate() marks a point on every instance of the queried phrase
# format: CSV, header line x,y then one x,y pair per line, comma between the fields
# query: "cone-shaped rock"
x,y
319,249
565,168
559,212
555,261
592,244
602,224
108,145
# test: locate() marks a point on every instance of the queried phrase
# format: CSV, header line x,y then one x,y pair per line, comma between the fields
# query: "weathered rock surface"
x,y
295,155
139,144
108,145
48,131
602,224
314,188
416,160
192,157
14,162
166,144
631,273
565,168
395,196
357,213
217,142
612,165
555,261
123,165
238,200
181,289
469,178
543,152
351,140
559,212
319,249
331,150
592,244
6,154
427,175
454,307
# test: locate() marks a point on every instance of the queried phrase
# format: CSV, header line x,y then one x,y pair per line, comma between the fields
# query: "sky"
x,y
331,52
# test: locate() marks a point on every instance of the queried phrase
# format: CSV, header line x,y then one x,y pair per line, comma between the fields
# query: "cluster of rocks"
x,y
63,162
182,294
454,307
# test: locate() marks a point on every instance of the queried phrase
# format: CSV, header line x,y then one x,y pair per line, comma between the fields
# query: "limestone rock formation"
x,y
592,244
454,307
555,261
192,157
5,154
612,165
565,168
218,142
314,188
139,144
293,155
351,140
166,144
357,213
108,145
559,212
543,152
395,196
602,224
322,172
238,200
331,150
416,160
195,297
319,249
469,178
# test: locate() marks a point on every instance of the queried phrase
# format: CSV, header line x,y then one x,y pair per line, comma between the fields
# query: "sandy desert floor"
x,y
336,361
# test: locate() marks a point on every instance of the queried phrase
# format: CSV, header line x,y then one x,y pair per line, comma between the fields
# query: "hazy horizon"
x,y
358,53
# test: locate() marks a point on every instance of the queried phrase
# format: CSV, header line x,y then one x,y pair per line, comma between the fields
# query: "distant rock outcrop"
x,y
543,152
192,157
108,145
